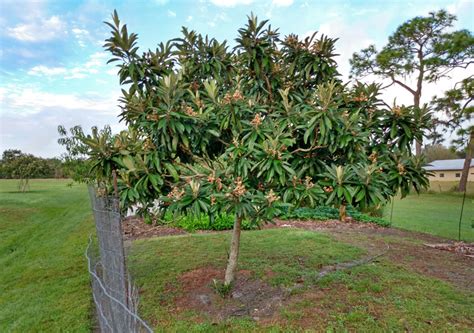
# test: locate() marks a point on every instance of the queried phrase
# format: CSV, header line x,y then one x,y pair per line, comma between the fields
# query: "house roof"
x,y
447,165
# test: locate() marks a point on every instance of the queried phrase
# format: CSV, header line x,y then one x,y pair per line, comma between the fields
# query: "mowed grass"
x,y
44,284
376,297
156,265
435,213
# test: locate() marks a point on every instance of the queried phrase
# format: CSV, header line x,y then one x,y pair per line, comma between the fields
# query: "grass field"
x,y
44,285
175,272
436,213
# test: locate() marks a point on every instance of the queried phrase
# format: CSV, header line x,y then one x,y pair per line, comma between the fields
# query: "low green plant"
x,y
330,213
221,288
216,222
225,221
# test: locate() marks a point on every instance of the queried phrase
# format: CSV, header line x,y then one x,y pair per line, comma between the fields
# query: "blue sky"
x,y
52,65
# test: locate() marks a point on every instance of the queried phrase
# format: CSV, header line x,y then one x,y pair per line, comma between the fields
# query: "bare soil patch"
x,y
250,296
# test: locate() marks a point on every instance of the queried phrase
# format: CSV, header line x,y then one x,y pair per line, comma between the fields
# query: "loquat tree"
x,y
251,130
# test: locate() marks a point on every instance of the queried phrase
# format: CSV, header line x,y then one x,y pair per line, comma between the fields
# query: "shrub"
x,y
225,221
329,213
204,222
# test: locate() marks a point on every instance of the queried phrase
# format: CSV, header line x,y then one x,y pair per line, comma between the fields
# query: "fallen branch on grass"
x,y
338,267
351,264
466,249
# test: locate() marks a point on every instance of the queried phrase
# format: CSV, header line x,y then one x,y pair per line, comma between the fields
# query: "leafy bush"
x,y
204,222
330,213
226,221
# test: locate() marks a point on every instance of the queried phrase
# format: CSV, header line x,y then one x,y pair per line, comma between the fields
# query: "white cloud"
x,y
95,64
171,13
282,3
189,18
79,32
231,3
39,30
46,71
31,100
81,36
30,116
96,60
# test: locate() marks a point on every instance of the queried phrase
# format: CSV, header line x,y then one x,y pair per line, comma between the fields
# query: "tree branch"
x,y
413,92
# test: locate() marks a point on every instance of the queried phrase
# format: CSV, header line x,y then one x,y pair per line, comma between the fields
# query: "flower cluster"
x,y
152,116
218,181
373,157
239,189
189,111
257,121
397,110
361,98
271,197
148,144
308,182
328,189
236,96
296,181
292,41
401,169
176,194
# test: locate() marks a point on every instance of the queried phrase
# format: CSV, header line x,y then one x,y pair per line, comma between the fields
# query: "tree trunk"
x,y
467,164
234,252
342,212
416,103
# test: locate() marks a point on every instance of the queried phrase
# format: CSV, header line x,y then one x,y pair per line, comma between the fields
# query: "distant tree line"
x,y
18,165
439,152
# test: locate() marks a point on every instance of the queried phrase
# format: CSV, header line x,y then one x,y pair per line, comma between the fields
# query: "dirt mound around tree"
x,y
250,297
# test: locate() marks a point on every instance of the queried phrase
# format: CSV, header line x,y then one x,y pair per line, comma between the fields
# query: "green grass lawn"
x,y
434,213
378,297
44,285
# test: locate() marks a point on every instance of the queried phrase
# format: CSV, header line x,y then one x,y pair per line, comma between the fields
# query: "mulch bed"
x,y
135,228
321,225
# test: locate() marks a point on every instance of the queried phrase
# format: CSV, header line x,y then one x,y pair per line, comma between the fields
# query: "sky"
x,y
53,67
